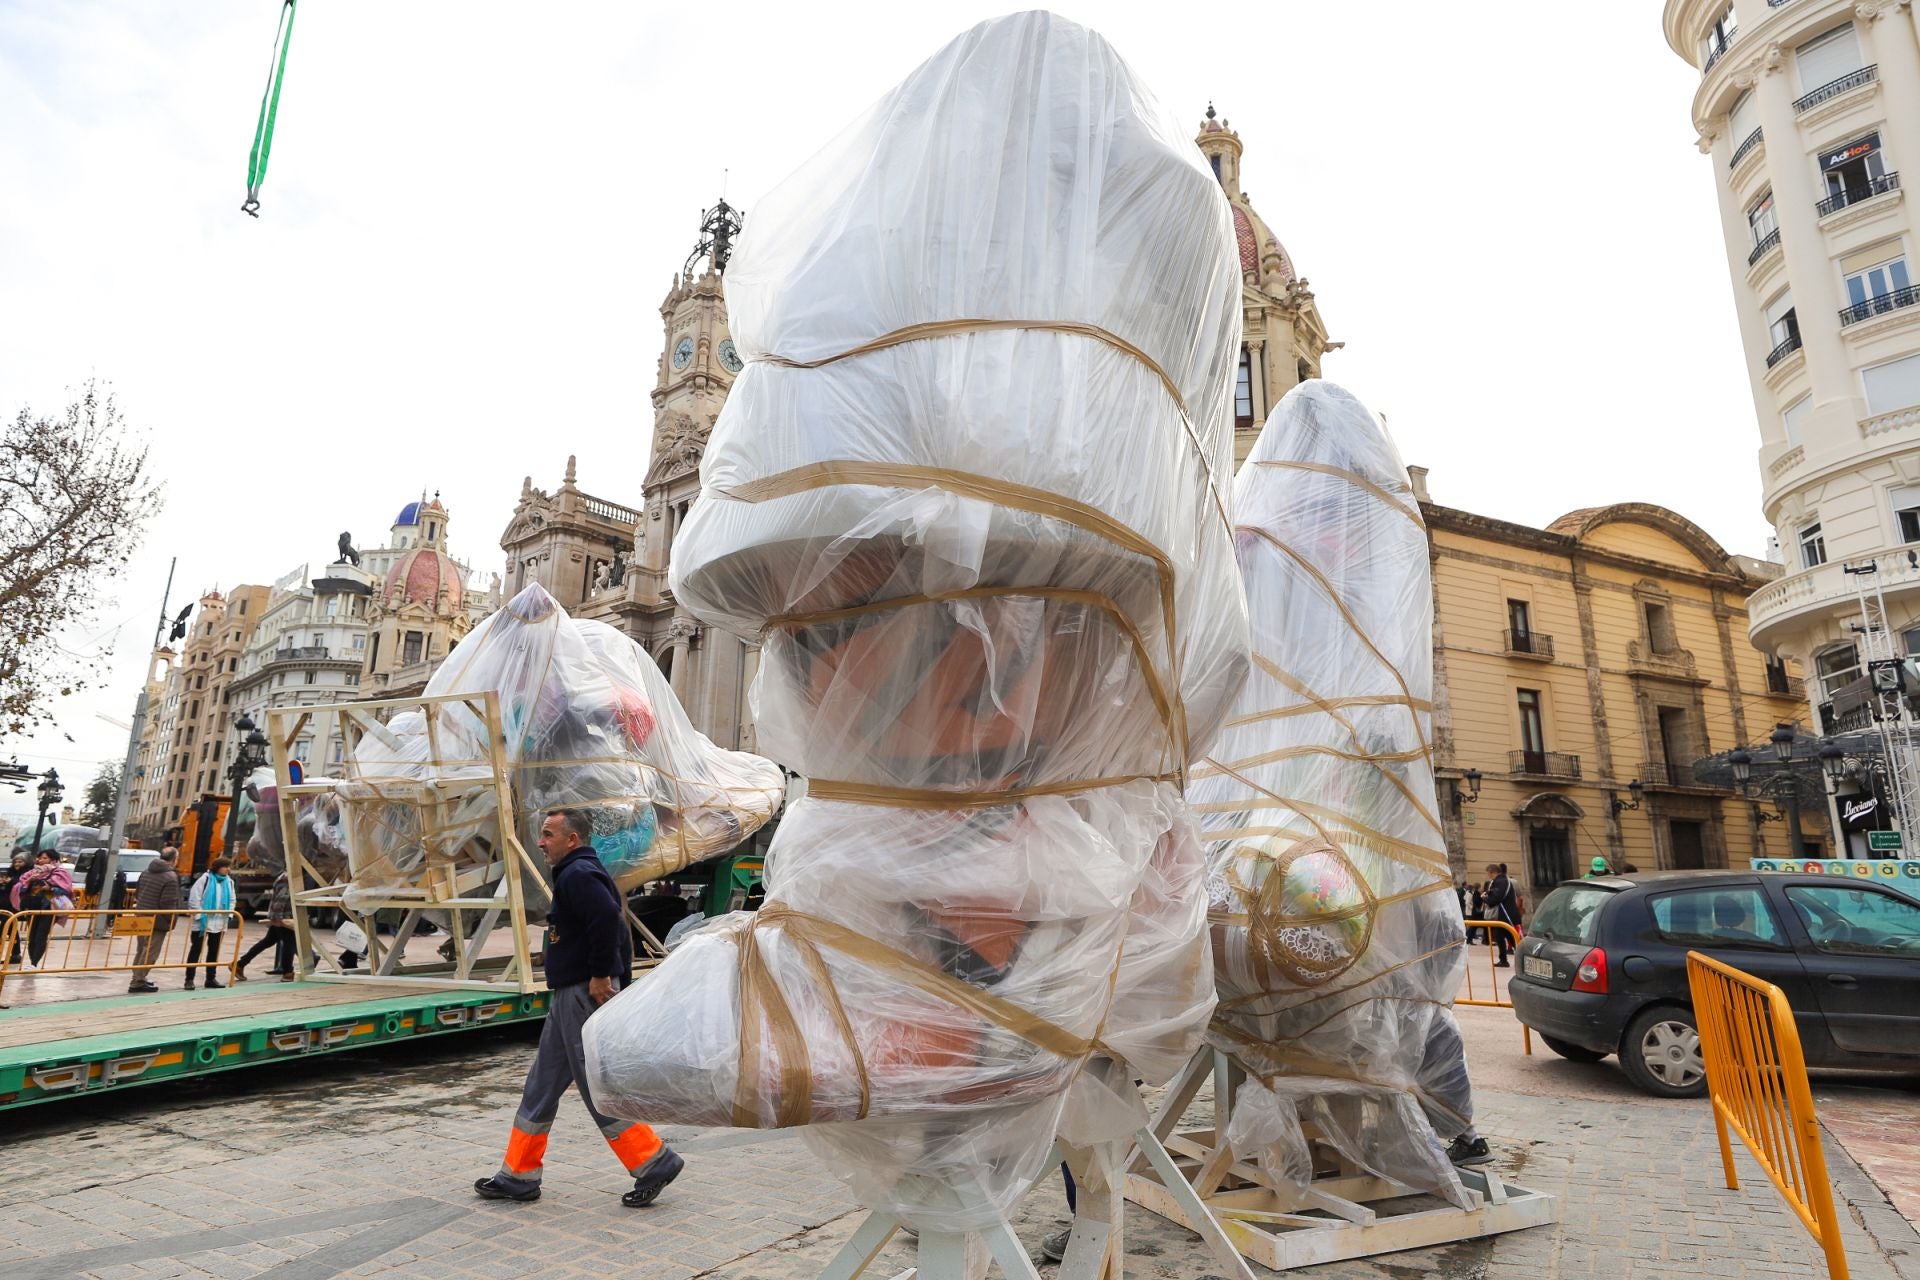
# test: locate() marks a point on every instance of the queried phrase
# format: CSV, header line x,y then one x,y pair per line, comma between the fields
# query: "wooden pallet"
x,y
1346,1212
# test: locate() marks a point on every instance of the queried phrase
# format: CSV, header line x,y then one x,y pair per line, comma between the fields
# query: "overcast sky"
x,y
474,210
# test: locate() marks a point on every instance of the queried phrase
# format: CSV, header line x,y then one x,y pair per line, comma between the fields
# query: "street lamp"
x,y
1472,794
1742,767
1782,740
1635,788
50,797
248,756
1833,762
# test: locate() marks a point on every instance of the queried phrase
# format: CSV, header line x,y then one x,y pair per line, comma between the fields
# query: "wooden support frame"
x,y
1346,1212
474,873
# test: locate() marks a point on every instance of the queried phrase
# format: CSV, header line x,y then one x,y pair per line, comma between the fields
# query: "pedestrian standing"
x,y
46,887
213,898
1503,904
9,876
158,891
1477,901
279,933
589,957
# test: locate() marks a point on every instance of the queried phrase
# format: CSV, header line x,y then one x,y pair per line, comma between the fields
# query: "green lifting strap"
x,y
269,108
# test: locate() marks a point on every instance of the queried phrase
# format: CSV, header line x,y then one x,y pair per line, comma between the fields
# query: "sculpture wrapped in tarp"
x,y
968,496
1338,943
583,716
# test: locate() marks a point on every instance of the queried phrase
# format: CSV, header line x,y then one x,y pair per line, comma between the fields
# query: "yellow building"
x,y
1573,662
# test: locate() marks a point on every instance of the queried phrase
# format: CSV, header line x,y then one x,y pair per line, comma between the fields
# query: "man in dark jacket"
x,y
1503,904
158,890
589,957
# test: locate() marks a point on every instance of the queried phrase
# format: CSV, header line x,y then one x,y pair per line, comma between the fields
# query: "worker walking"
x,y
589,957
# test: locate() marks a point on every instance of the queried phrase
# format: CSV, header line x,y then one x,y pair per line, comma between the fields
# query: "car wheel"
x,y
1661,1053
1572,1052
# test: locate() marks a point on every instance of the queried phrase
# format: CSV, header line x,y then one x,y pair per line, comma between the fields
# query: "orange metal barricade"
x,y
127,945
1757,1081
1493,975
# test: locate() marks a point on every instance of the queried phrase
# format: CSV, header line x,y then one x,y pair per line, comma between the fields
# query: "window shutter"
x,y
1825,60
1744,119
1795,417
1895,385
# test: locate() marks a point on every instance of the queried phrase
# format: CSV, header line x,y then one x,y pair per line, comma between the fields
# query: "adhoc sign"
x,y
1859,868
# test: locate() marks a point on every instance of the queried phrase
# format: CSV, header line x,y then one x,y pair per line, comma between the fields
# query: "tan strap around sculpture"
x,y
954,328
762,1003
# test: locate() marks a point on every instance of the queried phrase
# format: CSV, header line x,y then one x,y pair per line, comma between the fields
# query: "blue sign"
x,y
1857,868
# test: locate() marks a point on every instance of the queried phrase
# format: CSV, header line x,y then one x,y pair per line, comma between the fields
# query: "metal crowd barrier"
x,y
129,944
1493,975
1757,1081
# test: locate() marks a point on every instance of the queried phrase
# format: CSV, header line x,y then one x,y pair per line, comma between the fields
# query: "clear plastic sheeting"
x,y
708,798
587,721
318,823
1338,943
967,495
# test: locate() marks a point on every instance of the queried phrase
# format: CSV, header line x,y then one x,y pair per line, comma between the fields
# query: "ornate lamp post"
x,y
50,797
248,756
1782,785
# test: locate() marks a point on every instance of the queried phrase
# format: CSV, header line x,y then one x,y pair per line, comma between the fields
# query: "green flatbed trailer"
x,y
81,1047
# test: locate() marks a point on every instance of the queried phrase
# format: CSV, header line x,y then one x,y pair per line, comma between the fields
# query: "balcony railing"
x,y
1747,144
1766,244
1664,773
1880,304
1788,345
307,654
1714,55
1543,764
1854,195
1530,644
1834,88
612,511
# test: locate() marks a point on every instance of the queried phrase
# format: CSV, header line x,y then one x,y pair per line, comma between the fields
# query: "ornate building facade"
x,y
1283,336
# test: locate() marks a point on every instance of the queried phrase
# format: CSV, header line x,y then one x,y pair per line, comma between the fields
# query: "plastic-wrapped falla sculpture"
x,y
966,494
587,720
1337,936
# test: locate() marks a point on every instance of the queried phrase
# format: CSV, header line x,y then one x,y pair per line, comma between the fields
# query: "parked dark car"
x,y
1603,968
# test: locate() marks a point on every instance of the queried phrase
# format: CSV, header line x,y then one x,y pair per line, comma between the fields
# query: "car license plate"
x,y
1537,967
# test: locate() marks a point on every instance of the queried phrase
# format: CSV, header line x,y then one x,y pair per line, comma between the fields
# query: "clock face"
x,y
729,356
682,353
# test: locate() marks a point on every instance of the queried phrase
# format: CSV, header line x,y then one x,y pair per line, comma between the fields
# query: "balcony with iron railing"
x,y
1765,245
1715,54
1529,644
1666,773
1855,195
1879,305
1788,345
1834,88
1785,686
1543,764
1747,144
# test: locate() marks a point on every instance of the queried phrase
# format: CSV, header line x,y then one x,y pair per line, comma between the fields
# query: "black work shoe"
x,y
141,988
1464,1152
489,1189
653,1178
1054,1247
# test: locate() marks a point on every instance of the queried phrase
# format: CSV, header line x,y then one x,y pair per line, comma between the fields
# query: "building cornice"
x,y
1571,546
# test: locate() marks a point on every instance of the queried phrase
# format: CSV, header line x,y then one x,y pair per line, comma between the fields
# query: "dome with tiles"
x,y
427,577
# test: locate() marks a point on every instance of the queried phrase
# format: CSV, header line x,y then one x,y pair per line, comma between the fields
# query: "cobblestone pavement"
x,y
359,1165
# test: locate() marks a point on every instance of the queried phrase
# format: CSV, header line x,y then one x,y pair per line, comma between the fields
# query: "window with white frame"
x,y
1760,217
1875,283
1813,546
1744,119
1795,417
1837,667
1782,324
1893,385
1906,512
1714,42
1849,172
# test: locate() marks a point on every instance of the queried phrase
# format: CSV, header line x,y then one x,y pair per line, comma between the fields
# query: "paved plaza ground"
x,y
359,1165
